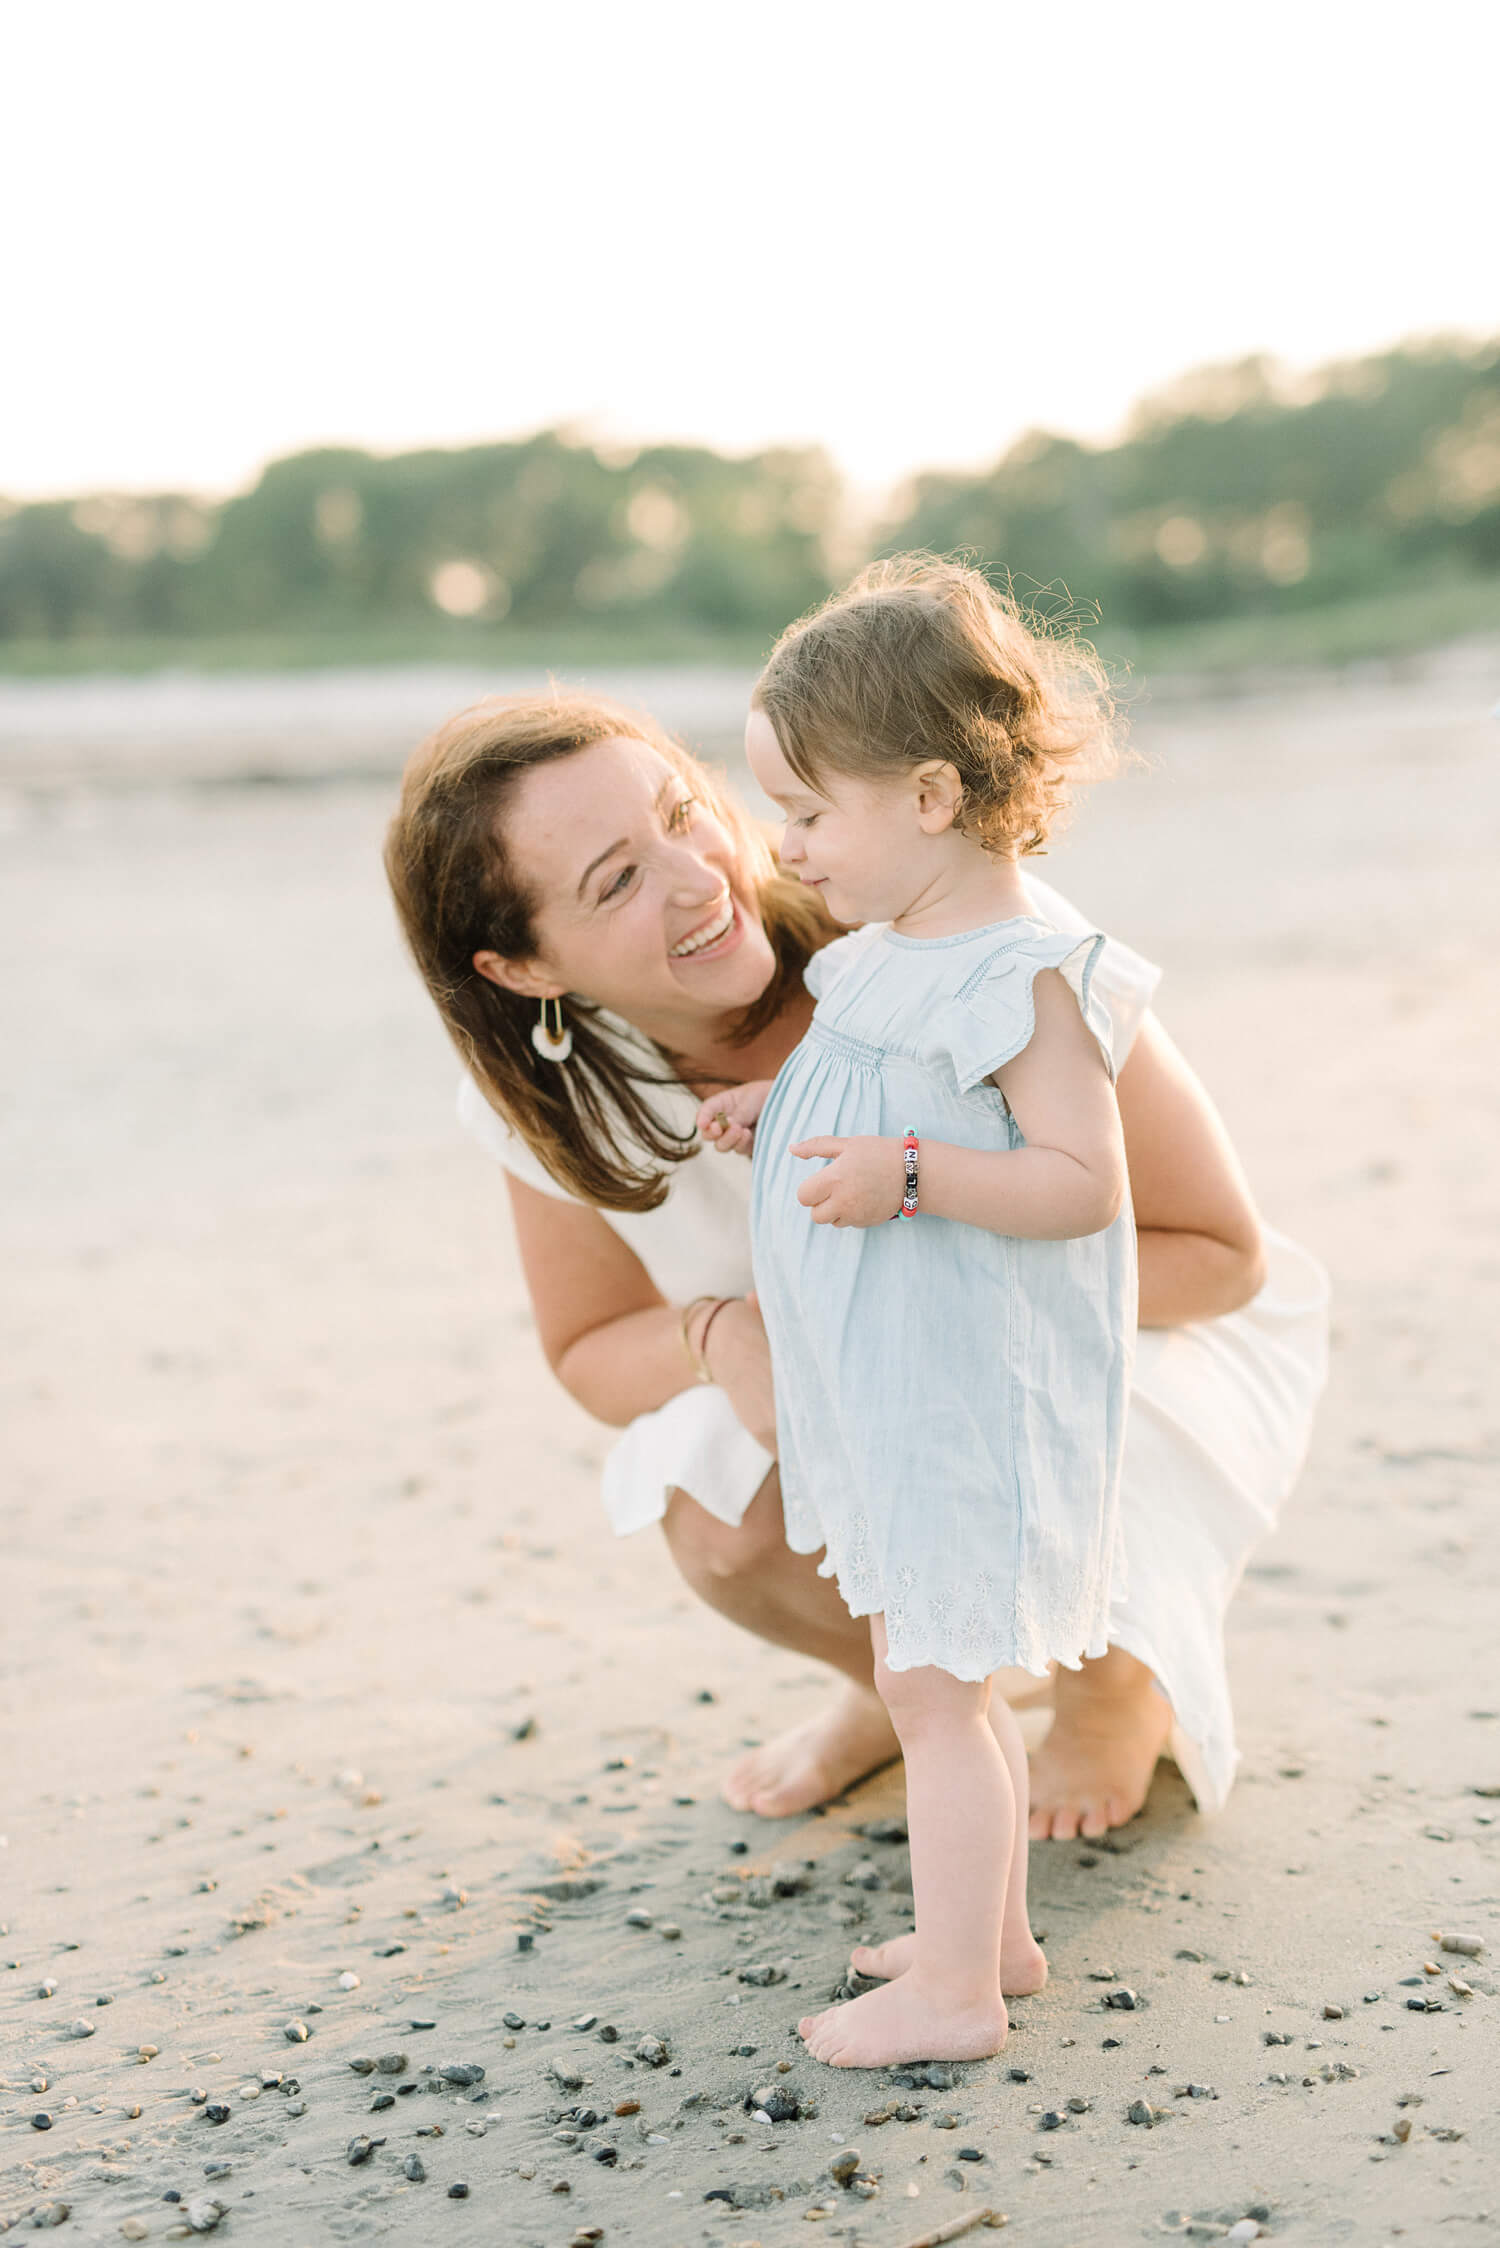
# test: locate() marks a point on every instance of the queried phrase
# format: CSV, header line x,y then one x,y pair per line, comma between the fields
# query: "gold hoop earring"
x,y
550,1034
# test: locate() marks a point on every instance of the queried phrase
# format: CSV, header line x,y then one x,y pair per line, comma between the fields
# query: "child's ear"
x,y
939,794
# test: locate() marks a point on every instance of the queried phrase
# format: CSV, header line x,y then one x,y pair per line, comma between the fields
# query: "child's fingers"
x,y
819,1147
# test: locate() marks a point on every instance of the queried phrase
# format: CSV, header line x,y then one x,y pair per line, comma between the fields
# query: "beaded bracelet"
x,y
909,1147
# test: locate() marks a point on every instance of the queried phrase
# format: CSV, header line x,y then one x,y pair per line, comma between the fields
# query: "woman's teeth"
x,y
709,934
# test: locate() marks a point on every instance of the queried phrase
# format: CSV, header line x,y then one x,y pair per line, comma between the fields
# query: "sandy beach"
x,y
339,1730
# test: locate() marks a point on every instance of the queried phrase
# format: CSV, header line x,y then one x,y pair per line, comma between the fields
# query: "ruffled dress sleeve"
x,y
993,1015
1123,978
834,960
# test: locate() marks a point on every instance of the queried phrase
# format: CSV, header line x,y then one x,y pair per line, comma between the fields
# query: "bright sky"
x,y
907,232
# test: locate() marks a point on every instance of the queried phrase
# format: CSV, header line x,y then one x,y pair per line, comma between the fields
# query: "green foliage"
x,y
1235,495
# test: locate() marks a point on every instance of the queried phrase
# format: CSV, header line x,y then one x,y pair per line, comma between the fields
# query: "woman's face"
x,y
643,905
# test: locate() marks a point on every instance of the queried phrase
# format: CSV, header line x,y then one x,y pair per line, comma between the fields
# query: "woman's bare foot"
x,y
1094,1768
850,1736
1023,1967
905,2021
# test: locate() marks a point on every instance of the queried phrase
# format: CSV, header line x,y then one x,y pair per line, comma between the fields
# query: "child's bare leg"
x,y
1023,1964
961,1813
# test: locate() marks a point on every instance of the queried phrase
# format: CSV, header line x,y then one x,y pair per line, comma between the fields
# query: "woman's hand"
x,y
727,1120
860,1185
739,1358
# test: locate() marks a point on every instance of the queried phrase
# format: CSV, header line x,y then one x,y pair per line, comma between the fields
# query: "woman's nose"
x,y
790,850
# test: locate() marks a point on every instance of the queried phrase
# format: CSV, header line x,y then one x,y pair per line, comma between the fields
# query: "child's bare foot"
x,y
1023,1967
1094,1768
905,2021
850,1736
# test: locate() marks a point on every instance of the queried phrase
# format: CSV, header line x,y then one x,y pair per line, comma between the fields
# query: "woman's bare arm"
x,y
1201,1252
610,1337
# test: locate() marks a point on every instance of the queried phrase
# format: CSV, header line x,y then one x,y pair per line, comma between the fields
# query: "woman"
x,y
607,939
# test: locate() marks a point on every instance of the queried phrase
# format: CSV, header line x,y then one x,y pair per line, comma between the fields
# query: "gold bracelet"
x,y
698,1365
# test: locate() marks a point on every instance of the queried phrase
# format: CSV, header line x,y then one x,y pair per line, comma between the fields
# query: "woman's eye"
x,y
621,883
681,813
808,819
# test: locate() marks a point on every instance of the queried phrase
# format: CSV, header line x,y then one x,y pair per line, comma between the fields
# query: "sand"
x,y
320,1665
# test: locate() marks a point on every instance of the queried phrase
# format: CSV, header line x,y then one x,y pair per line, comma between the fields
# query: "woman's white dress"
x,y
1219,1418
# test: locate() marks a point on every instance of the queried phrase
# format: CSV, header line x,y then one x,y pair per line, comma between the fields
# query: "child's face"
x,y
861,843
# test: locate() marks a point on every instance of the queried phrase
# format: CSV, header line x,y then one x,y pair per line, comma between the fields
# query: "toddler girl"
x,y
950,1389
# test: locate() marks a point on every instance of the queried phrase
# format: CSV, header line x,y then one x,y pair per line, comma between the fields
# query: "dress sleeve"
x,y
992,1017
507,1147
826,966
1124,979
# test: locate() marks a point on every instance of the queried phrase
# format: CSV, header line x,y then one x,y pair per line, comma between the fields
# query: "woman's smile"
x,y
715,936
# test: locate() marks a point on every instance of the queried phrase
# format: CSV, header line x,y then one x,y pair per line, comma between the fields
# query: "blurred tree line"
x,y
1235,490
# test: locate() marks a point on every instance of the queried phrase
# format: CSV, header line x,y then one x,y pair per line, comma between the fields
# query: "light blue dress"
x,y
950,1402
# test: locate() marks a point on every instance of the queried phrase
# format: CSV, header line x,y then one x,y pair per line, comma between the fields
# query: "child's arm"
x,y
728,1119
1068,1180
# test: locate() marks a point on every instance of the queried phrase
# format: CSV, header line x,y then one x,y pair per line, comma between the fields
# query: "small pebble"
x,y
46,1990
360,2149
1467,1947
135,2228
41,2121
1333,2013
458,2192
348,1980
415,2169
584,2021
514,2021
843,2166
609,2035
525,1941
363,2064
80,2028
381,2101
653,2051
465,2072
638,1919
1123,2001
970,2154
296,2033
203,2215
393,2064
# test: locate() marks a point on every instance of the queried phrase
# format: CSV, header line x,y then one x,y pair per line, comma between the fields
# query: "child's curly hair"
x,y
922,657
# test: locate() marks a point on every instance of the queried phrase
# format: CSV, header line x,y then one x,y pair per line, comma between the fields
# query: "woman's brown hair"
x,y
589,1121
923,658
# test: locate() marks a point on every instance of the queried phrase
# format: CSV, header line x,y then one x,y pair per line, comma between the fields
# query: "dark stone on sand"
x,y
843,2166
970,2154
1123,2001
1052,2120
763,1975
609,2035
363,2064
606,2154
360,2149
525,1941
1276,2037
390,1951
458,2191
414,2022
41,2121
218,2111
381,2102
884,1830
525,1731
1077,2106
1141,2111
739,1849
393,2064
514,2020
415,2169
1110,2044
1426,2006
462,2072
1018,2075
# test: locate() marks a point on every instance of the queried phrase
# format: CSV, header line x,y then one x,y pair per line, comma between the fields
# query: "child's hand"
x,y
861,1185
727,1120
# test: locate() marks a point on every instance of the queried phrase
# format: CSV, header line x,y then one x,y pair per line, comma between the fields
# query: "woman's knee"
x,y
704,1547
